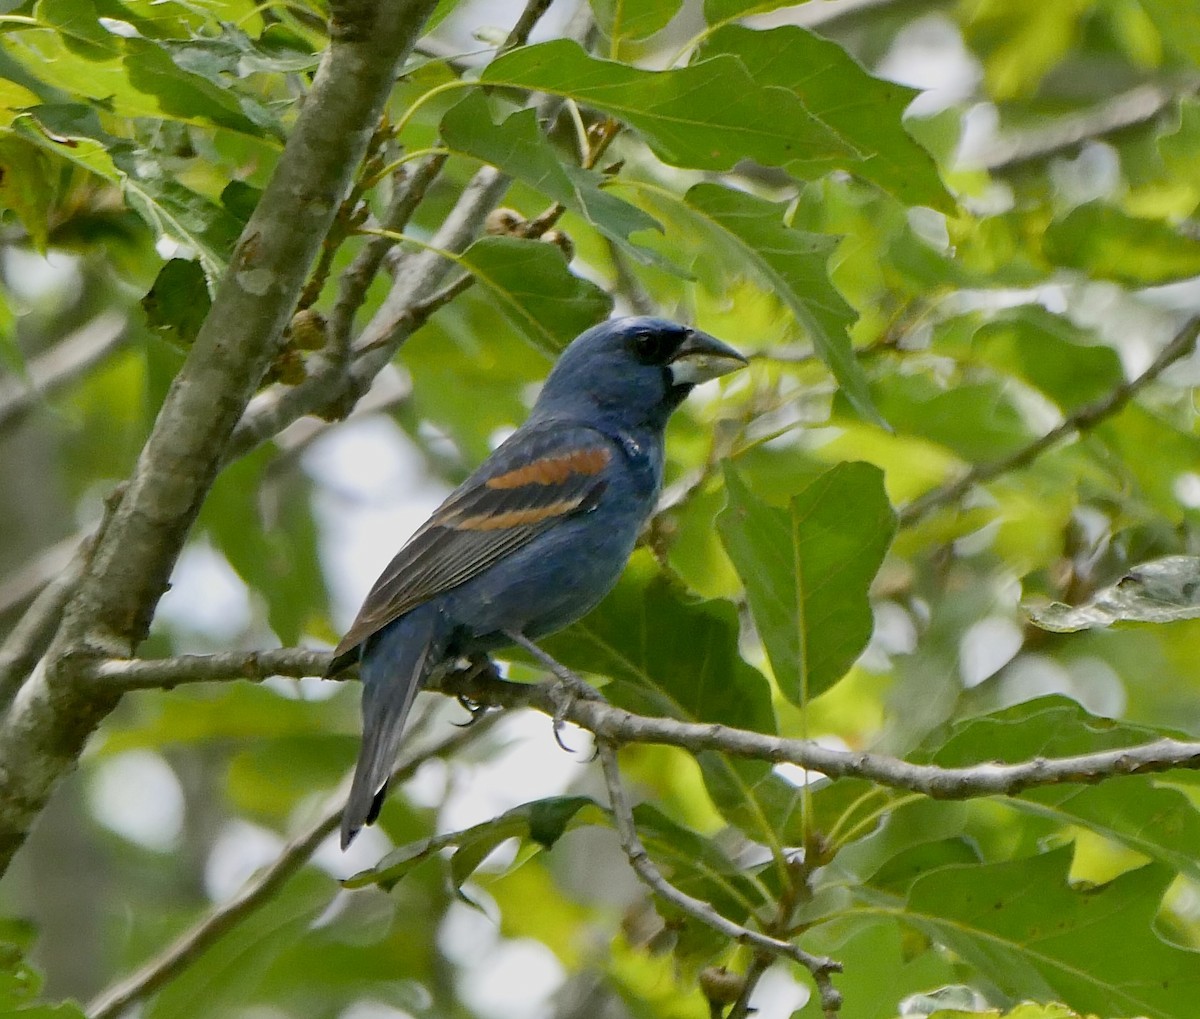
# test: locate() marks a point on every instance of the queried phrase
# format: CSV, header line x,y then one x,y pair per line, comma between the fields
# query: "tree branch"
x,y
357,278
58,367
1084,419
799,871
620,726
418,276
529,17
647,870
1127,109
28,640
52,716
22,586
35,630
192,943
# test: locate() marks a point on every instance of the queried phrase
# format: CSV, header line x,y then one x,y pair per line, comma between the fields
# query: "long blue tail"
x,y
394,666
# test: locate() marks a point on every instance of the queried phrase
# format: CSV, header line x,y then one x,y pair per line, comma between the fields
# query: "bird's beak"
x,y
702,357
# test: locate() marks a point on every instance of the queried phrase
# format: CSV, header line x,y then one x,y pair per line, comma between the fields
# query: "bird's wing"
x,y
536,478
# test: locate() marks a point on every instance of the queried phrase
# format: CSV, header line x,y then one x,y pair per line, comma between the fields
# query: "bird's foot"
x,y
565,689
473,708
478,667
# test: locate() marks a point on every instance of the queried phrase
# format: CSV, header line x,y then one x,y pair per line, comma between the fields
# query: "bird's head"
x,y
634,371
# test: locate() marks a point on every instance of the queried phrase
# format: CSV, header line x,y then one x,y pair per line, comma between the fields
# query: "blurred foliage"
x,y
924,287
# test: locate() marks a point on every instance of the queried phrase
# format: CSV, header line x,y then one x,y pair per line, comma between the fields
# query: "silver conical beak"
x,y
702,357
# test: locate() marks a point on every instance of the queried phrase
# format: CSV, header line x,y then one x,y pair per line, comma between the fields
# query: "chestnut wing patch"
x,y
492,515
555,470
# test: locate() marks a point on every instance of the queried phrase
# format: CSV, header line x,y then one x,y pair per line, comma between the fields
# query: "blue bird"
x,y
535,537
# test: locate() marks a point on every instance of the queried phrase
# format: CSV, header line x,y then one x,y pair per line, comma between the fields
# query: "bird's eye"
x,y
652,348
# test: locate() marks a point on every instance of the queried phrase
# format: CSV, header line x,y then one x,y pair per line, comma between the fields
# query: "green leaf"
x,y
469,369
1028,1010
978,421
1161,591
1180,148
235,55
633,19
808,570
1049,352
1035,936
1152,451
1132,810
227,974
1052,726
19,982
1137,811
519,148
881,969
178,303
25,185
795,265
708,115
864,112
73,131
717,12
535,290
132,77
542,821
1178,24
670,655
1106,243
265,529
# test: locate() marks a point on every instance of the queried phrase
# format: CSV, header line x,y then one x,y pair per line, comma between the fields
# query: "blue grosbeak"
x,y
535,538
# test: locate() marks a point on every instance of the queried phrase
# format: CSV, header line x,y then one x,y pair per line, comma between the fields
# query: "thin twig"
x,y
1077,423
22,586
29,639
111,608
410,319
328,391
621,726
647,870
357,278
628,285
190,945
58,367
799,871
1126,109
530,16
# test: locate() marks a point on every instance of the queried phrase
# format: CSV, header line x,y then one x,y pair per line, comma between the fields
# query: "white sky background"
x,y
374,493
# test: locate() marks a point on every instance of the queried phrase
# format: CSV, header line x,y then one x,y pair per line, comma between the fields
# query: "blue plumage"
x,y
536,537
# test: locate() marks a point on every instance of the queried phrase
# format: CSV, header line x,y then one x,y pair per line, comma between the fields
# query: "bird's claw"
x,y
566,689
473,708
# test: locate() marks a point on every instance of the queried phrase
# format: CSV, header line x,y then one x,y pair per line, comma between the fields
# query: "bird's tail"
x,y
395,665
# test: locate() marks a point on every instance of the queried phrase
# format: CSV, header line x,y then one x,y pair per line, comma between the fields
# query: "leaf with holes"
x,y
1160,591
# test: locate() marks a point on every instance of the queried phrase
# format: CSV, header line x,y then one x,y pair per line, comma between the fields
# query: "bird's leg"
x,y
567,688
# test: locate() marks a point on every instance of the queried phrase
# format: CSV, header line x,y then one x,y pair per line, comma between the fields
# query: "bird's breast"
x,y
644,459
